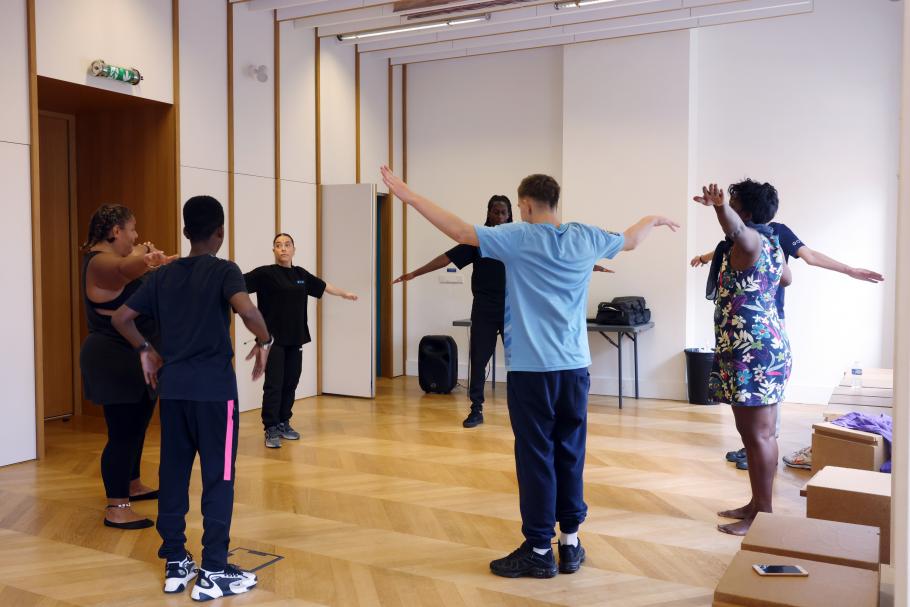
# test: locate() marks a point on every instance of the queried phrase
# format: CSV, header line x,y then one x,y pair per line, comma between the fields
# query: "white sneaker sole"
x,y
208,594
175,584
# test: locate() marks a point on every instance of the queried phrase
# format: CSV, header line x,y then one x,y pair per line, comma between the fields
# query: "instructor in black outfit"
x,y
488,285
282,290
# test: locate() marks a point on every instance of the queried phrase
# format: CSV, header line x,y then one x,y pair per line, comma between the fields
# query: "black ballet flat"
x,y
151,495
141,524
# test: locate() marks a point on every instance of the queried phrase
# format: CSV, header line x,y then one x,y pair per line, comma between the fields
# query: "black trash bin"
x,y
698,371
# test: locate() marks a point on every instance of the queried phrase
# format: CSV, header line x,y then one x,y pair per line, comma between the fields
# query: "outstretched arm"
x,y
436,263
746,242
636,234
333,290
446,222
820,260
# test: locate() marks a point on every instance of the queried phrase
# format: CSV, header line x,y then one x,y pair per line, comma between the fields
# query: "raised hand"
x,y
712,196
158,258
396,186
598,268
349,296
865,275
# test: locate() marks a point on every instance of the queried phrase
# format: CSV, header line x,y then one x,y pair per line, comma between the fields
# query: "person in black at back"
x,y
282,290
488,285
191,299
112,271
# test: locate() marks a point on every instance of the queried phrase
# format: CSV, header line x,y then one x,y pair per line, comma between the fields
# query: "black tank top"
x,y
100,323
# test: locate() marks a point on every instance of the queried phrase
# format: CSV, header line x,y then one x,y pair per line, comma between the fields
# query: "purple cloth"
x,y
880,425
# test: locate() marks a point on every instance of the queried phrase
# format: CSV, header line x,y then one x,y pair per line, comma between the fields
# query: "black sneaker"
x,y
273,437
284,428
227,582
524,562
177,574
474,418
736,456
571,558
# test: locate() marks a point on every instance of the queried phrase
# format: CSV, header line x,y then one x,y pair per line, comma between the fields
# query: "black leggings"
x,y
482,347
282,374
126,426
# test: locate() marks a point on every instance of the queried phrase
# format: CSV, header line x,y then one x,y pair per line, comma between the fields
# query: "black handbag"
x,y
626,311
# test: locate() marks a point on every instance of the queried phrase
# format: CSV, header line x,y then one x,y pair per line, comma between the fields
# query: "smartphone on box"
x,y
780,570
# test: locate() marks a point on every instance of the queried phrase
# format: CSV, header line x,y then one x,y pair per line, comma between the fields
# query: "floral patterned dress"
x,y
752,353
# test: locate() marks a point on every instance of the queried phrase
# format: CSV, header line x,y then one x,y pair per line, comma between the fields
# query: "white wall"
x,y
475,128
298,167
816,114
17,365
625,150
800,101
127,33
203,106
338,113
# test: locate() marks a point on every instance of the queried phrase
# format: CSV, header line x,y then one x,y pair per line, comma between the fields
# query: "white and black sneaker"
x,y
177,574
227,582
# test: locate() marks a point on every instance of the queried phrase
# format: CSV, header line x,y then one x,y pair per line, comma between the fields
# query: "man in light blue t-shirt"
x,y
548,267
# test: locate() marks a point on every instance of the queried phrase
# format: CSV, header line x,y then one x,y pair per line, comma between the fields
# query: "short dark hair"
x,y
279,235
498,198
757,199
103,221
541,188
202,216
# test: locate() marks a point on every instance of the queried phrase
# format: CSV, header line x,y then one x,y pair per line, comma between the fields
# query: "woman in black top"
x,y
488,285
281,294
111,372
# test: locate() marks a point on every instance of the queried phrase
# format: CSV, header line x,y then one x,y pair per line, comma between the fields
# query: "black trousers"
x,y
282,374
481,349
549,415
126,426
210,429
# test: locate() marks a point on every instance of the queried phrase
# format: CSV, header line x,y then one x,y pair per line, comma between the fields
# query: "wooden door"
x,y
58,256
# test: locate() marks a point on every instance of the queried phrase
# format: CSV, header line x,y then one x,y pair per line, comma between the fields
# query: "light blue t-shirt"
x,y
548,270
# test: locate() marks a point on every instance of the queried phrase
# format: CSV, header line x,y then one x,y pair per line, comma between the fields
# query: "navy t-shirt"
x,y
189,300
488,282
790,244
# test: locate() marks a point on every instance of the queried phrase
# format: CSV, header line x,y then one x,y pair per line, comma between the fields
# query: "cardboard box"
x,y
835,410
814,539
853,496
836,446
826,586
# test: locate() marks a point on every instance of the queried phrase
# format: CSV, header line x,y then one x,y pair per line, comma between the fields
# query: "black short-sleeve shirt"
x,y
790,243
281,295
488,282
189,300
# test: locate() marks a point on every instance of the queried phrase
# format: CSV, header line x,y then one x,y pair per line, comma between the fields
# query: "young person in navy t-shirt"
x,y
548,269
191,300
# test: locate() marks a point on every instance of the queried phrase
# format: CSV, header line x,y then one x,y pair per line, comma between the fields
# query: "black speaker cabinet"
x,y
437,364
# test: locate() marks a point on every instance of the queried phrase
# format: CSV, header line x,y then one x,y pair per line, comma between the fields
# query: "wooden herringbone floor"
x,y
393,503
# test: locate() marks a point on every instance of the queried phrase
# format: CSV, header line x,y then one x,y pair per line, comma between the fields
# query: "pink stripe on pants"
x,y
229,440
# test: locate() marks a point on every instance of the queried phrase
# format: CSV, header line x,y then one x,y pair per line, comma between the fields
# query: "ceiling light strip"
x,y
414,28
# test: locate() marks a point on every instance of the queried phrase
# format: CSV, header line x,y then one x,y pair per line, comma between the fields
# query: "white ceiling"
x,y
525,24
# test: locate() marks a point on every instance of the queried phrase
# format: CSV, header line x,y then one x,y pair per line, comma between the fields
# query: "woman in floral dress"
x,y
752,353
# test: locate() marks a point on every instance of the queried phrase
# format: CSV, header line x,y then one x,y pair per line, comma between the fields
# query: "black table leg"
x,y
635,349
619,361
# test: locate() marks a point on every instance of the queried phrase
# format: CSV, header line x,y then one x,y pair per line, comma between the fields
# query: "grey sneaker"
x,y
273,437
287,432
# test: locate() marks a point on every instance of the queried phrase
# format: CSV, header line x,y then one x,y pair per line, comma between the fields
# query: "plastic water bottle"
x,y
856,375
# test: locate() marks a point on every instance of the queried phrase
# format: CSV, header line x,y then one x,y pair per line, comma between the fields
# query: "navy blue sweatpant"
x,y
549,414
210,429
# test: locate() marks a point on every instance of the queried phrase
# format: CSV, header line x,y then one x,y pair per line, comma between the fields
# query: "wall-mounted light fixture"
x,y
414,28
259,72
579,3
123,74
